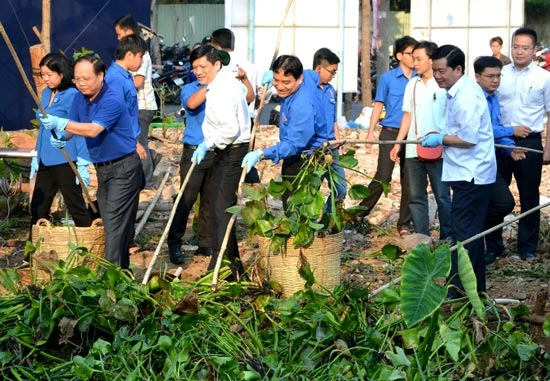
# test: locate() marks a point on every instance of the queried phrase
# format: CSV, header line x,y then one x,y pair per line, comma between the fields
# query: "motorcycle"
x,y
542,57
168,81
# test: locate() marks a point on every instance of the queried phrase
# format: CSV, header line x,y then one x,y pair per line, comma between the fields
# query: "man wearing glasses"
x,y
389,94
524,95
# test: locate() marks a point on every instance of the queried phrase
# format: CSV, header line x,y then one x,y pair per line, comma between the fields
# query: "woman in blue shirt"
x,y
52,171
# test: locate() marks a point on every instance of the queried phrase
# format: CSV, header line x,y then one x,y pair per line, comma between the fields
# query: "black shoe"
x,y
490,258
176,256
205,251
529,257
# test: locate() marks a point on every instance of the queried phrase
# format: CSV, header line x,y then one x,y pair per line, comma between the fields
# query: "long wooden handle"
x,y
43,112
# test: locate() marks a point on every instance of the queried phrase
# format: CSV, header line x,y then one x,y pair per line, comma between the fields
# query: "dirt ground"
x,y
362,262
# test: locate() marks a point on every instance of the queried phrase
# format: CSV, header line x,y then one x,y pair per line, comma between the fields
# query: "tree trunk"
x,y
366,85
383,41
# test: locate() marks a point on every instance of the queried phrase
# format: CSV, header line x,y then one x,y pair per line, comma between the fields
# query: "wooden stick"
x,y
231,222
471,239
43,112
37,32
169,223
151,206
519,148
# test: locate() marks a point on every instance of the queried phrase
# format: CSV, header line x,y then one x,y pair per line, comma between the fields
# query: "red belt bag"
x,y
426,154
429,153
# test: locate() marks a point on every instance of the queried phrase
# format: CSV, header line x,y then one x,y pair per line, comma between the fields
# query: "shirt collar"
x,y
454,88
527,68
121,70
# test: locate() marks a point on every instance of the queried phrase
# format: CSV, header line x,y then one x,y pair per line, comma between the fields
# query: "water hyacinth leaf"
x,y
358,192
398,358
278,188
102,347
314,209
305,271
546,327
388,296
301,196
253,211
315,225
253,193
411,338
521,310
83,367
165,342
469,281
356,209
421,294
527,351
452,340
264,227
304,236
392,252
235,209
348,160
282,225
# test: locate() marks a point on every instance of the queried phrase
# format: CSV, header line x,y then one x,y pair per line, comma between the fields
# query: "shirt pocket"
x,y
534,96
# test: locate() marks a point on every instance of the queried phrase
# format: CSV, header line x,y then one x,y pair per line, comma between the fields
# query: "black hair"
x,y
61,65
128,22
483,62
99,66
212,54
526,32
224,38
496,39
289,65
455,57
131,43
428,46
325,55
401,44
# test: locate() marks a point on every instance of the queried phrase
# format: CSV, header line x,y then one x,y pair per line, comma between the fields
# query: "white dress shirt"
x,y
226,117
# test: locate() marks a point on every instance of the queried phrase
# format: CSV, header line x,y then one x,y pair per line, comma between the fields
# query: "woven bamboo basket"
x,y
55,245
323,256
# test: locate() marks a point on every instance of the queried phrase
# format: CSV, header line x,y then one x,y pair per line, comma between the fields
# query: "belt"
x,y
392,129
190,146
231,146
109,162
532,135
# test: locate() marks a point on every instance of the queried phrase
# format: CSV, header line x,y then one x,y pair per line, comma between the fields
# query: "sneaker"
x,y
176,255
529,257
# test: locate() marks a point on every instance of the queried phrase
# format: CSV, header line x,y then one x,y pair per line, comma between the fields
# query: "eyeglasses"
x,y
492,76
331,72
522,48
76,81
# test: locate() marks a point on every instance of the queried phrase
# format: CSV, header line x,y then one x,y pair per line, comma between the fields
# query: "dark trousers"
x,y
527,173
145,117
290,168
252,177
500,205
226,172
118,190
384,174
199,182
468,207
50,179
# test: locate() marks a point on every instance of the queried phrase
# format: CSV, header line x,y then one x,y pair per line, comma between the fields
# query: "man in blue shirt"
x,y
469,164
488,74
389,94
100,114
302,120
193,98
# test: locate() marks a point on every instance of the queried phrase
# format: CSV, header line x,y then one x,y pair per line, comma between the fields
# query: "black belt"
x,y
109,162
231,146
391,129
190,146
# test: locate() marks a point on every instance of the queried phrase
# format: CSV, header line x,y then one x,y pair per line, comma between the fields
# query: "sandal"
x,y
403,232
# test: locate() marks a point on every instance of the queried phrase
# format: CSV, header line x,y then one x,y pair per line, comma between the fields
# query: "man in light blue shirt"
x,y
469,164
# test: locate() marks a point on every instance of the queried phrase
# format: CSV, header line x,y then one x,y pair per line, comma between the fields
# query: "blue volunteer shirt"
x,y
193,118
501,133
122,80
75,147
327,101
302,124
391,89
108,110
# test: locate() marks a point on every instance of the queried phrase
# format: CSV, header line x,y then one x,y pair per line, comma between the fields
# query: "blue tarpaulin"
x,y
74,24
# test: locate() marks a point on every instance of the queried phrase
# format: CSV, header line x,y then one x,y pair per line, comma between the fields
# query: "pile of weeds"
x,y
103,325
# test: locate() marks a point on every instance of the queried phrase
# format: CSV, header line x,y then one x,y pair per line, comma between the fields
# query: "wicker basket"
x,y
55,245
323,256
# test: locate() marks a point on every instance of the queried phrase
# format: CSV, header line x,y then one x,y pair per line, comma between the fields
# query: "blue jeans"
x,y
419,173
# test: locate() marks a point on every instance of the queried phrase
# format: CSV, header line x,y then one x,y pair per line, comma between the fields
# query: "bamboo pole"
x,y
169,223
43,112
471,239
151,206
231,222
46,25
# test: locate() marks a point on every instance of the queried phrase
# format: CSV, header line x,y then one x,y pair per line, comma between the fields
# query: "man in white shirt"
x,y
524,95
424,105
469,164
226,130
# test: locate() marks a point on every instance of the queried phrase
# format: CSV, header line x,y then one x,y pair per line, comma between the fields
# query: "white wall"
x,y
310,25
468,24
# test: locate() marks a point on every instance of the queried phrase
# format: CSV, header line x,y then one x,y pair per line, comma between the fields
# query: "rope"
x,y
19,23
87,25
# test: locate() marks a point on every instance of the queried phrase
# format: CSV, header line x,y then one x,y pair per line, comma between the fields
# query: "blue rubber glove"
x,y
268,79
52,122
251,159
34,167
432,140
82,166
199,153
57,143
